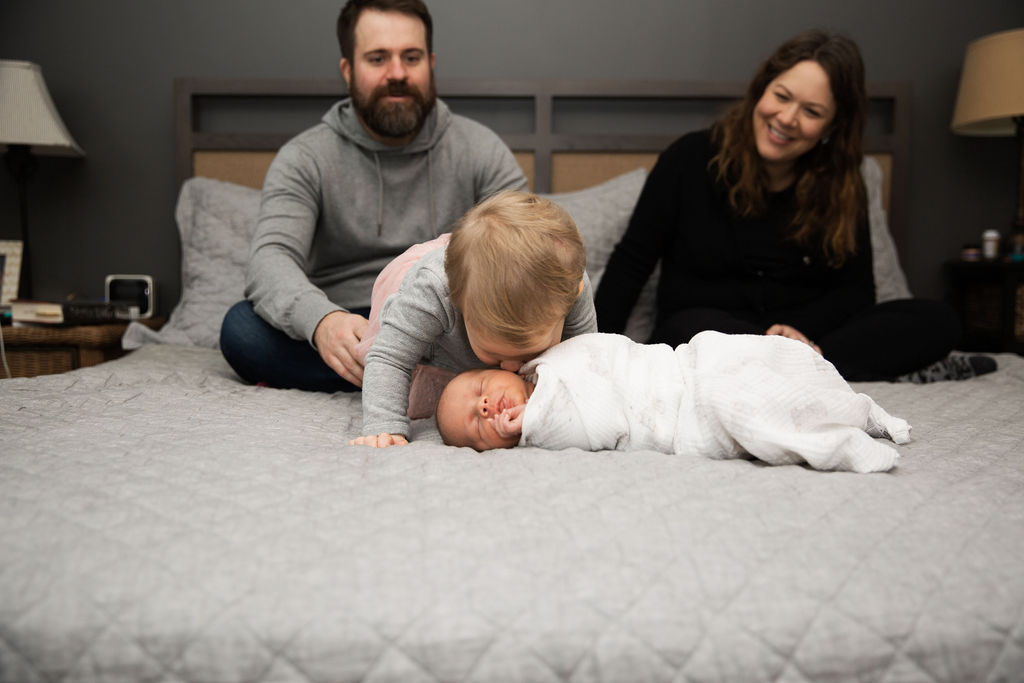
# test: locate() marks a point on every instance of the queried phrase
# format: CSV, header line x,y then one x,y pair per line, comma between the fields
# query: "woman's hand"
x,y
382,440
791,333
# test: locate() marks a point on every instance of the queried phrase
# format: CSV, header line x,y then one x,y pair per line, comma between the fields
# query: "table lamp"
x,y
29,126
990,101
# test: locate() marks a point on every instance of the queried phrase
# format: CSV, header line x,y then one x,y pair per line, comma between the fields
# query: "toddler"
x,y
719,396
510,283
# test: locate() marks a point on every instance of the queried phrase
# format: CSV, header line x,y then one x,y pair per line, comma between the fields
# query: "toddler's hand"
x,y
509,422
382,440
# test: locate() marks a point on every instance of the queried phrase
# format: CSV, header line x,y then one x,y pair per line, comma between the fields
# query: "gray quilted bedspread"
x,y
159,521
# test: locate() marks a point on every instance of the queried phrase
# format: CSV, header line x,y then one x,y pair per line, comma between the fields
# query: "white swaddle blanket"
x,y
720,396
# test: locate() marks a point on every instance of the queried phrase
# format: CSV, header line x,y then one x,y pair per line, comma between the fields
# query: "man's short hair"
x,y
353,9
514,265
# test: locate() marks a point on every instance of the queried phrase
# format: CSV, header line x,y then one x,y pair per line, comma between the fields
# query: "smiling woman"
x,y
791,118
760,225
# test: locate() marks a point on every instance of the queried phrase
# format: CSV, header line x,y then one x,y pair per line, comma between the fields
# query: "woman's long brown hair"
x,y
829,192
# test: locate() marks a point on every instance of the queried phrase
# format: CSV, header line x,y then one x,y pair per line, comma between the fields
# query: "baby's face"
x,y
493,351
471,403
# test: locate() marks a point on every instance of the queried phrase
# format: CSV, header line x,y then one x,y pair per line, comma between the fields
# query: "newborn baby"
x,y
483,409
719,396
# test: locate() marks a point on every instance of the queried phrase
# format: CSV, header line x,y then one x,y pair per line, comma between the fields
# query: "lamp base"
x,y
1015,246
1018,221
22,165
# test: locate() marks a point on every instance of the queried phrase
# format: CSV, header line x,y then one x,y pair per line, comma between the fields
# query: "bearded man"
x,y
388,167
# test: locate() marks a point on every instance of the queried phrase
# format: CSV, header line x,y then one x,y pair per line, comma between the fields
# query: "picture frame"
x,y
10,270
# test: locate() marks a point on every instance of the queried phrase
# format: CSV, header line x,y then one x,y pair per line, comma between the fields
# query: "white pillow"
x,y
216,222
890,281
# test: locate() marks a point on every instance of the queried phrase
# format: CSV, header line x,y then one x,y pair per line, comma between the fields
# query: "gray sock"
x,y
952,367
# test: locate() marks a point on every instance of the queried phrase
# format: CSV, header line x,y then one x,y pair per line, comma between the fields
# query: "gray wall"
x,y
109,65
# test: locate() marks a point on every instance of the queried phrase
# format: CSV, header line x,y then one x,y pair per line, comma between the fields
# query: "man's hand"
x,y
382,440
509,423
336,337
791,333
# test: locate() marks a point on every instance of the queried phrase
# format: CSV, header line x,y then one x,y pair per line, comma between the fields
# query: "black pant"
x,y
883,342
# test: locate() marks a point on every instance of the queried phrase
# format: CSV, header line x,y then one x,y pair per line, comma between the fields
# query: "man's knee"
x,y
239,337
240,323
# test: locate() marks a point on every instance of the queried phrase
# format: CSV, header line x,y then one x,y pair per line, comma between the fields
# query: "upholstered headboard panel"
x,y
567,135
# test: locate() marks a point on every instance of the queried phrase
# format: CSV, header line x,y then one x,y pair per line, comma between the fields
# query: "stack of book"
x,y
72,312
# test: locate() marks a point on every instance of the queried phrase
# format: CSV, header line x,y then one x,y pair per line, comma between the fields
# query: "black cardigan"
x,y
712,259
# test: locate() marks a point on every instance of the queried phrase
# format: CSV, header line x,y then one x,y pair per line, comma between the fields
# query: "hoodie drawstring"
x,y
430,189
380,195
430,192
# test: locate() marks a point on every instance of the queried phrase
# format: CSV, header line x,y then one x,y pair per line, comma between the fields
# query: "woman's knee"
x,y
928,318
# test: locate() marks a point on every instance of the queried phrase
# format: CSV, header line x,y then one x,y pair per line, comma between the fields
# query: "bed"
x,y
163,521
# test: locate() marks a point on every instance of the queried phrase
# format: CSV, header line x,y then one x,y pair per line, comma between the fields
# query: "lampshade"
x,y
991,86
27,114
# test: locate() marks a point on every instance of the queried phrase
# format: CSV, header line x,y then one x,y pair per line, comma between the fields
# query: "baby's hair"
x,y
514,265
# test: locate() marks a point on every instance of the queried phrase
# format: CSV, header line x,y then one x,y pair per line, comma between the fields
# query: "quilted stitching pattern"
x,y
160,521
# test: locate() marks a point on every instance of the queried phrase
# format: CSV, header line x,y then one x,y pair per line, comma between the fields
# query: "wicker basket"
x,y
28,362
44,350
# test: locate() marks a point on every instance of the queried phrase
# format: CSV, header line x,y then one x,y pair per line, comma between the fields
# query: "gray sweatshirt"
x,y
337,206
420,323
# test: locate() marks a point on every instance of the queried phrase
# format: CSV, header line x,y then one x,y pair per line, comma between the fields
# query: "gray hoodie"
x,y
337,206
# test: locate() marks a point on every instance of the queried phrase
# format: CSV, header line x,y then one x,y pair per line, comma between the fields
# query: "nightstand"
x,y
43,350
989,295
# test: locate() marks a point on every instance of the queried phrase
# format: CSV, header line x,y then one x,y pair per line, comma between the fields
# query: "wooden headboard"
x,y
566,135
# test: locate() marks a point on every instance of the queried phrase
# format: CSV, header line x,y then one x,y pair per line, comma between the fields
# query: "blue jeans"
x,y
259,352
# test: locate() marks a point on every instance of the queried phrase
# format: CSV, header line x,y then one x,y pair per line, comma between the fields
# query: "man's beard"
x,y
396,120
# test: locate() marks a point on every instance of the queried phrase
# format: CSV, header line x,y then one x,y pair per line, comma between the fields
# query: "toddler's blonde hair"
x,y
514,265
